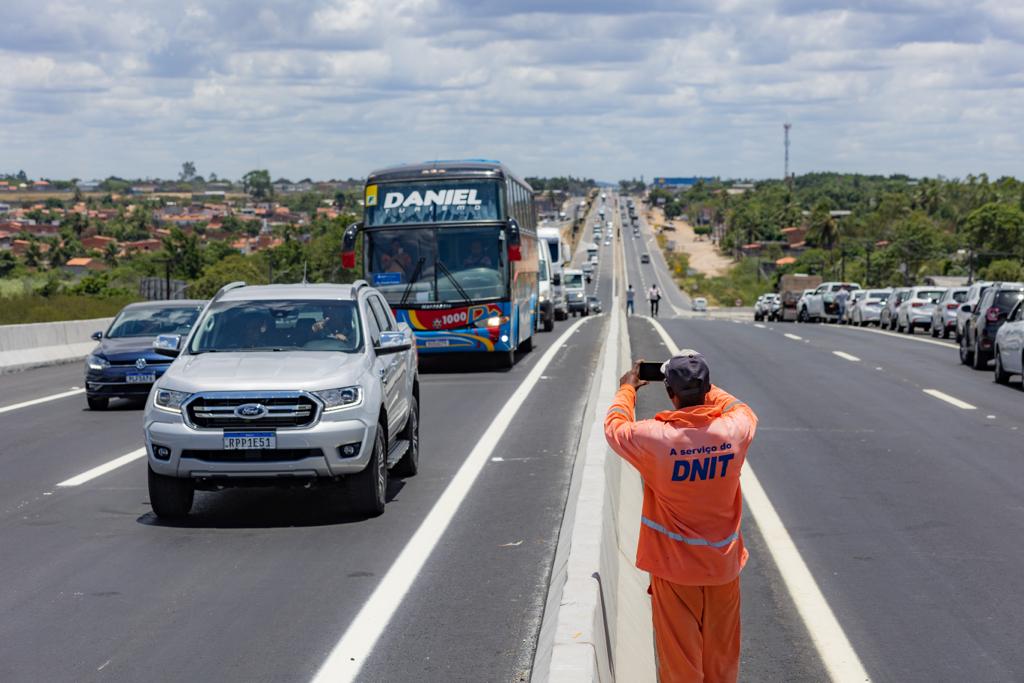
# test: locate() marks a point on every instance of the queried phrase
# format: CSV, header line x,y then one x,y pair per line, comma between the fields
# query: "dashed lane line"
x,y
834,648
790,335
759,326
100,470
847,356
963,405
44,399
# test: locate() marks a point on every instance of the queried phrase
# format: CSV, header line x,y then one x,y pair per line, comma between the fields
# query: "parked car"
x,y
1009,346
887,316
645,258
987,317
285,385
963,314
124,363
944,314
761,306
868,307
594,303
700,304
848,313
774,307
547,292
821,304
917,308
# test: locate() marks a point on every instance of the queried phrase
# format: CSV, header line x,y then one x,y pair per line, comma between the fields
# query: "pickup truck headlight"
x,y
169,399
97,362
336,399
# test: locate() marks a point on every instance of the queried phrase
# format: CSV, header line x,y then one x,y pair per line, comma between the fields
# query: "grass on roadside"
x,y
33,308
740,282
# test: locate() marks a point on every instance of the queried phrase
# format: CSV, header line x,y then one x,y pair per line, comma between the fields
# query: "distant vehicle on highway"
x,y
944,313
575,291
558,251
1009,346
593,303
588,271
645,258
452,245
700,304
124,364
987,317
963,313
761,306
550,297
887,316
593,249
917,308
285,385
607,241
821,305
866,310
773,307
792,288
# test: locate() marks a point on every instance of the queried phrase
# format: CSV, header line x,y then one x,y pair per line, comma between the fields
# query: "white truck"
x,y
558,251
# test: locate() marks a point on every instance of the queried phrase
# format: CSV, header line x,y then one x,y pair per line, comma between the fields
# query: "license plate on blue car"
x,y
140,377
245,441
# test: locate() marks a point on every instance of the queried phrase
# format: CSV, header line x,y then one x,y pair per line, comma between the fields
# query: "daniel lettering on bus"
x,y
690,459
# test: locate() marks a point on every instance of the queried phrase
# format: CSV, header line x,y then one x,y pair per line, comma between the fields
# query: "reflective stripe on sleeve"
x,y
686,539
620,411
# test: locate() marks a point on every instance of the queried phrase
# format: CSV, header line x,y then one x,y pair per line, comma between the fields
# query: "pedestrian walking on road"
x,y
654,296
629,299
690,460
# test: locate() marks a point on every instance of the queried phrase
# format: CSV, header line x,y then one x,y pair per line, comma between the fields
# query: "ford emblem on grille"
x,y
140,363
251,411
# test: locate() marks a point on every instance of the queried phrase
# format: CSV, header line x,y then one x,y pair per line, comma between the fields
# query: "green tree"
x,y
995,228
217,250
823,229
257,184
188,172
110,254
183,250
915,240
230,269
1003,270
7,263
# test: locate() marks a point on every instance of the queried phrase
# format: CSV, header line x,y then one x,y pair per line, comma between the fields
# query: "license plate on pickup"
x,y
140,377
246,441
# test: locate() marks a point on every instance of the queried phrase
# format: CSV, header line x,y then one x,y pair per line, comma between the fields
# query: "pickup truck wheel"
x,y
97,402
1001,376
170,497
368,489
409,465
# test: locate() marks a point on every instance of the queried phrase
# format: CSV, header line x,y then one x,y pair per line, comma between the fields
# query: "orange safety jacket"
x,y
690,461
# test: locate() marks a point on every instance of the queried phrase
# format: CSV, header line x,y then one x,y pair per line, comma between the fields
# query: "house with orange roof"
x,y
84,264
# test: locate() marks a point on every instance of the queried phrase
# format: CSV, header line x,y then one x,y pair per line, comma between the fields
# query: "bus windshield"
x,y
432,202
430,265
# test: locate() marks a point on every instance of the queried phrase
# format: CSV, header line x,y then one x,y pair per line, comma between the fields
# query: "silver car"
x,y
1009,346
285,385
944,315
887,317
917,308
963,314
868,306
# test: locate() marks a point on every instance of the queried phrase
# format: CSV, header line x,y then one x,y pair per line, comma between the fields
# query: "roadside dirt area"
x,y
704,257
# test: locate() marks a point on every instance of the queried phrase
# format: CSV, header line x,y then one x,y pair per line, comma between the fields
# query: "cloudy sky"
x,y
608,89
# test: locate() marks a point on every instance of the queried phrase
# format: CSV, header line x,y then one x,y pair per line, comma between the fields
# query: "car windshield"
x,y
149,321
279,326
431,265
573,280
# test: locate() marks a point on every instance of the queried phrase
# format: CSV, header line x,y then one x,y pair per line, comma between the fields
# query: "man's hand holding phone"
x,y
641,373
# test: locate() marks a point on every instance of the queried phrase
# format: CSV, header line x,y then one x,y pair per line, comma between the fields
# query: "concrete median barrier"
x,y
597,619
39,344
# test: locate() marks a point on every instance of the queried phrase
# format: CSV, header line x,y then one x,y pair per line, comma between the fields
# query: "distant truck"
x,y
791,287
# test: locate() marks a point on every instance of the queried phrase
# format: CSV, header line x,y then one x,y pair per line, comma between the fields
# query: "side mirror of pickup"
x,y
168,345
393,342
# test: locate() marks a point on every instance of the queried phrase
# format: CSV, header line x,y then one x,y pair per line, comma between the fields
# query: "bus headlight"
x,y
493,321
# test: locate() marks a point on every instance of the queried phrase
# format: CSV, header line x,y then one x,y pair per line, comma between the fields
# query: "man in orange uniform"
x,y
690,460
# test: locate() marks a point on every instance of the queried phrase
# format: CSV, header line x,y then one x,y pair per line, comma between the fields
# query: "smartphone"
x,y
651,372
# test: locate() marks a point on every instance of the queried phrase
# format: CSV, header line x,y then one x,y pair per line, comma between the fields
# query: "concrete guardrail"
x,y
36,345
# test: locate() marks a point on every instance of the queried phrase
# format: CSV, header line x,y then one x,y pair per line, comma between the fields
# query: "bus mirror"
x,y
514,251
348,246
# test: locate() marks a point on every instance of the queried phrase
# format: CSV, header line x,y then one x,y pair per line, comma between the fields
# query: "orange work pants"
x,y
696,631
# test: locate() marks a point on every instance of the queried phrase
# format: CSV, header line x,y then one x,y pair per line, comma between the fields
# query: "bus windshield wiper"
x,y
439,265
412,279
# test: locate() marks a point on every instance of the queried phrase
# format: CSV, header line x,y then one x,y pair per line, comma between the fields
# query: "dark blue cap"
x,y
687,374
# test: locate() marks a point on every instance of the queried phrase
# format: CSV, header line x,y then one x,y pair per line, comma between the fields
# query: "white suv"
x,y
284,385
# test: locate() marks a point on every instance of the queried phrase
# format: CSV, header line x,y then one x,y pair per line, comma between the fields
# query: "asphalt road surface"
x,y
905,507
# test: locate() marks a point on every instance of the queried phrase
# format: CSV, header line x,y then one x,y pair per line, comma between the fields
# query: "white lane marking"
x,y
354,647
834,648
909,337
949,399
759,326
847,356
44,399
790,335
100,470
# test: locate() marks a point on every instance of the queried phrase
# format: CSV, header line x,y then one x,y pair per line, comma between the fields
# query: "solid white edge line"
x,y
846,356
356,645
908,337
37,401
834,648
100,470
795,337
935,393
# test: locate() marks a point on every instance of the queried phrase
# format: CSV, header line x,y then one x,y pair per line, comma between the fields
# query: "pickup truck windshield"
x,y
279,326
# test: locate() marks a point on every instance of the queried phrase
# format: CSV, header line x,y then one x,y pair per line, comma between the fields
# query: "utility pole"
x,y
786,177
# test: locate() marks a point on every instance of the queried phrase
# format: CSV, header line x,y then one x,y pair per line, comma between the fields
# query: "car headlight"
x,y
97,362
168,399
336,399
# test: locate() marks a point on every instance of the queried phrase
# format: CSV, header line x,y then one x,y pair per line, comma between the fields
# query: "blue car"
x,y
124,364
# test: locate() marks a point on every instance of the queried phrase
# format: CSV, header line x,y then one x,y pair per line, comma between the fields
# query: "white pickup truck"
x,y
821,305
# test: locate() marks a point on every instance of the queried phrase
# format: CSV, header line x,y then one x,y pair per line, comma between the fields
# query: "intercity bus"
x,y
452,245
